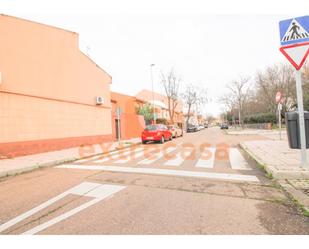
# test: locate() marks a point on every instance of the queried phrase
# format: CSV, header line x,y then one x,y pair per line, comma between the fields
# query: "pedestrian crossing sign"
x,y
294,39
294,31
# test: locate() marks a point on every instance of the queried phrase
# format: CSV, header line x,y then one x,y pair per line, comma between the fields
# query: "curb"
x,y
30,168
297,196
260,163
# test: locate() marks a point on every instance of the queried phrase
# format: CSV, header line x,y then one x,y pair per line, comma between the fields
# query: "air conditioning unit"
x,y
99,100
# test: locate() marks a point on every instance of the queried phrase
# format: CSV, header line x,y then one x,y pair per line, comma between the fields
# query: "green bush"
x,y
260,118
161,121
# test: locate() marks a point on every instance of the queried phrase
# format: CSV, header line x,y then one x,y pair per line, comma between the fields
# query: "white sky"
x,y
208,48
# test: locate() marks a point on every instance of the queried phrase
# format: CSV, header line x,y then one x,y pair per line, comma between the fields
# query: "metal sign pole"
x,y
279,113
118,124
301,118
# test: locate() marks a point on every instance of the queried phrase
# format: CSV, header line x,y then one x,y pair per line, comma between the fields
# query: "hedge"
x,y
261,118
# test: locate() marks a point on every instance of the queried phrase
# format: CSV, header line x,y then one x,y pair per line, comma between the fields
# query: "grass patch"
x,y
301,207
261,166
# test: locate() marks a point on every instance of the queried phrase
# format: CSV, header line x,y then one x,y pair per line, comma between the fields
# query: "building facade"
x,y
48,90
161,106
130,124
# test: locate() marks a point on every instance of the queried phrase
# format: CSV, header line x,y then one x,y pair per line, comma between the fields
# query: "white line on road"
x,y
237,161
98,191
103,156
135,154
207,163
211,175
119,153
157,156
176,161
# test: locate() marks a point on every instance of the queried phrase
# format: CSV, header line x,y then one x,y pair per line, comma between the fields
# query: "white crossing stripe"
x,y
237,161
103,156
209,162
118,154
130,157
157,156
176,161
211,175
89,189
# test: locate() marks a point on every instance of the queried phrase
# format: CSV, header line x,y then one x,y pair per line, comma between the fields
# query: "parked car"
x,y
224,126
176,131
156,133
201,127
192,128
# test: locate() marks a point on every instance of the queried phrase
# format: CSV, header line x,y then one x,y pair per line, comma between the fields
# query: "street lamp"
x,y
153,105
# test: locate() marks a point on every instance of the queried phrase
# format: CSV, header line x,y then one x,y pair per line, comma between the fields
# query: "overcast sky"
x,y
205,49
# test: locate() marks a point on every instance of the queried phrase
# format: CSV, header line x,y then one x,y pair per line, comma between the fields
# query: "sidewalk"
x,y
271,134
283,164
23,164
277,158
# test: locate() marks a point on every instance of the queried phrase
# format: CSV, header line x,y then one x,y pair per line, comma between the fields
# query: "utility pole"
x,y
153,105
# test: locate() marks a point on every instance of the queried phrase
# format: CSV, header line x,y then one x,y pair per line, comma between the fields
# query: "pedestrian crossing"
x,y
207,161
171,157
158,156
237,161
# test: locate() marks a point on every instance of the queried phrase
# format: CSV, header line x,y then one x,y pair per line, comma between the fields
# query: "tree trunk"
x,y
188,116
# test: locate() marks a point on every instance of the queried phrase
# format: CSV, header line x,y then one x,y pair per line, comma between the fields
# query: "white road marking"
x,y
237,161
98,191
130,157
178,158
176,161
103,156
207,163
221,176
157,156
118,154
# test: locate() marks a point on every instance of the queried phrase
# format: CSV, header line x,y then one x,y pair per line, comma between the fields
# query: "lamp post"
x,y
153,105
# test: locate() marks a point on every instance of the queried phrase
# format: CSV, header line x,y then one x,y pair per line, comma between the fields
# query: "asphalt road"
x,y
198,184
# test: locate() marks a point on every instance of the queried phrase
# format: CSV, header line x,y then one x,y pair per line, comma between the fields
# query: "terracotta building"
x,y
49,90
131,125
161,106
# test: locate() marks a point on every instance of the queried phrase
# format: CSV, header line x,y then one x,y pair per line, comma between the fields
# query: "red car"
x,y
157,132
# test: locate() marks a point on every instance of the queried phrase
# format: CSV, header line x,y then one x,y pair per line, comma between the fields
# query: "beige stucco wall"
x,y
48,85
26,118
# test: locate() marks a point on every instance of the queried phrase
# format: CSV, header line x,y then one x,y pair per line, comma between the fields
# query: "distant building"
x,y
161,106
49,90
201,119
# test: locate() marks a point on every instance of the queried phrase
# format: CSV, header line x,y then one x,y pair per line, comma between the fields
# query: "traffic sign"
x,y
278,97
296,54
294,39
294,31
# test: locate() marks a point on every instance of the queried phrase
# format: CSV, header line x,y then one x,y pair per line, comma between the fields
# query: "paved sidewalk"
x,y
277,158
271,134
27,163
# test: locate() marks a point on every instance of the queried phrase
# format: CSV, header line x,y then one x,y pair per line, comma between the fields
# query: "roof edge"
x,y
39,23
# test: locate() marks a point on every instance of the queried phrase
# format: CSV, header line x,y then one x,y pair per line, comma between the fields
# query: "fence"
x,y
262,126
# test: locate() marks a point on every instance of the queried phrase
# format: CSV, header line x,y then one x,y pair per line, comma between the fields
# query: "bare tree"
x,y
193,97
238,93
275,78
171,83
